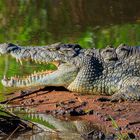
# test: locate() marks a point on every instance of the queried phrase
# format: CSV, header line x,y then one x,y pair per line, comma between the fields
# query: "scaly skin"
x,y
110,71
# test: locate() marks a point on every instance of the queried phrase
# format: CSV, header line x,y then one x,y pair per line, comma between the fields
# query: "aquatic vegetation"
x,y
36,118
10,124
25,114
119,134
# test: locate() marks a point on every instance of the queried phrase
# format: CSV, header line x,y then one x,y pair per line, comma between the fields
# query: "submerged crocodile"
x,y
109,71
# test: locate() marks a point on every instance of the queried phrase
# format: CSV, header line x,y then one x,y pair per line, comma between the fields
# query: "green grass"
x,y
118,134
38,120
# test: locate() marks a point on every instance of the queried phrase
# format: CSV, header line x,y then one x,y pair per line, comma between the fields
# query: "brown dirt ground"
x,y
96,108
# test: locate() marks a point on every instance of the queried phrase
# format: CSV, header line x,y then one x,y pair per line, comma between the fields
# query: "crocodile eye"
x,y
11,44
108,50
109,54
123,51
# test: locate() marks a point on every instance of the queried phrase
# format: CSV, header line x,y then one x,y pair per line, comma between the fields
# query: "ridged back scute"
x,y
121,53
109,54
124,51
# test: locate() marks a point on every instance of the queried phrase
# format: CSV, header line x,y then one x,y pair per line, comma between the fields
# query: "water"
x,y
91,23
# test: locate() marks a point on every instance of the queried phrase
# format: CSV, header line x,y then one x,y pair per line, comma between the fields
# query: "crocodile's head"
x,y
60,55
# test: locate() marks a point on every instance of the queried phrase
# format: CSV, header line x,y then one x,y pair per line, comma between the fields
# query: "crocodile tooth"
x,y
16,60
32,78
36,77
12,78
20,61
23,82
27,81
4,77
29,78
20,82
35,61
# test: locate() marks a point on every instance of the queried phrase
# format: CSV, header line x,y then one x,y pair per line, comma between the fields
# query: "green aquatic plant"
x,y
24,114
119,134
30,115
11,123
37,119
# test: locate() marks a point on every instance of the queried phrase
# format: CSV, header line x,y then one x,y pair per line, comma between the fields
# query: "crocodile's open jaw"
x,y
60,54
26,80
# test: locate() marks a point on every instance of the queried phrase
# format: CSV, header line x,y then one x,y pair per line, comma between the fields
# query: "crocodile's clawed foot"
x,y
130,93
117,97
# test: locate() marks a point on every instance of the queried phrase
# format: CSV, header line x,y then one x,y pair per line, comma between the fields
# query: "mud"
x,y
113,117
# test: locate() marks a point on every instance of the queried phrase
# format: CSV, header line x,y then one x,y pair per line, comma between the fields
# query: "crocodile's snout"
x,y
7,82
7,48
3,48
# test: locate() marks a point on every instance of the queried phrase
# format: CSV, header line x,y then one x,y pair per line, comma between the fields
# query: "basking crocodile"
x,y
109,71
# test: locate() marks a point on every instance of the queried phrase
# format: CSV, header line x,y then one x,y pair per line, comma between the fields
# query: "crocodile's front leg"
x,y
61,77
129,89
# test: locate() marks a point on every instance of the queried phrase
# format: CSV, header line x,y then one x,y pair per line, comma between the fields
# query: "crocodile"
x,y
110,71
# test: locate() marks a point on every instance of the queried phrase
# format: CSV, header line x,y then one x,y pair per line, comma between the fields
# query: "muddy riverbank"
x,y
111,117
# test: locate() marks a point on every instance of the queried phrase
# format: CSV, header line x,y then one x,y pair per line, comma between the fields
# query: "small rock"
x,y
84,103
131,136
118,129
103,99
107,119
54,112
47,111
81,112
56,105
90,112
101,135
24,92
127,126
32,100
61,112
119,109
41,101
78,112
110,137
71,101
73,112
60,104
67,112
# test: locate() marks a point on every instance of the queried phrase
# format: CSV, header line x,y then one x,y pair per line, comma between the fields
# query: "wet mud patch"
x,y
115,118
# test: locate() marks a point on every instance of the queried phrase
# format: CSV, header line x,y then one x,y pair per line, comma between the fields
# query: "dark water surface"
x,y
91,23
